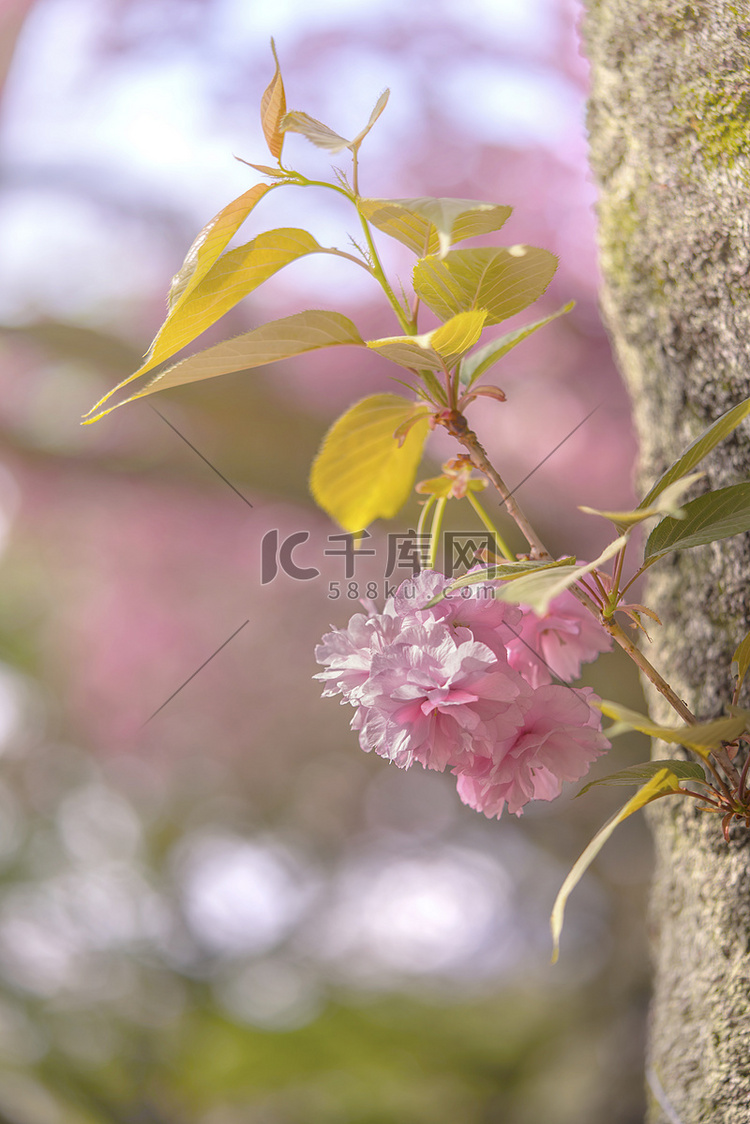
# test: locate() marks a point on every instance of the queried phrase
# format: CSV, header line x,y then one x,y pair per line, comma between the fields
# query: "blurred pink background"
x,y
196,902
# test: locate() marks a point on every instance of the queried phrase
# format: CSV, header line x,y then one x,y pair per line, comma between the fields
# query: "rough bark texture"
x,y
669,121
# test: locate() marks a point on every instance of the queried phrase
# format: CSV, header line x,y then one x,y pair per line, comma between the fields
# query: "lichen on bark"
x,y
669,121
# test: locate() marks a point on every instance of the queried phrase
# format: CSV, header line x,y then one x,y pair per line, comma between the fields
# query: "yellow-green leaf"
x,y
230,278
665,504
272,109
700,448
539,589
437,349
700,737
279,339
502,281
380,105
428,226
199,260
742,658
361,473
408,352
275,173
458,334
316,132
324,137
664,781
213,238
637,774
479,361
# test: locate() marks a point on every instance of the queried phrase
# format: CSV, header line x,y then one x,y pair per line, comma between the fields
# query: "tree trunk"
x,y
669,119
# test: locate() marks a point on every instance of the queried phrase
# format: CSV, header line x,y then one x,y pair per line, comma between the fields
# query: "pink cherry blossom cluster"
x,y
466,685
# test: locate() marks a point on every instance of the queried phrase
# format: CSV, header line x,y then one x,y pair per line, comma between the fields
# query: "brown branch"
x,y
458,427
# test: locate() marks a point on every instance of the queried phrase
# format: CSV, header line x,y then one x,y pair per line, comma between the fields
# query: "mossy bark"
x,y
669,121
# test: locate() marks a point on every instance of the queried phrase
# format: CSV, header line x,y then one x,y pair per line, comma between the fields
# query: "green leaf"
x,y
664,781
700,448
712,516
272,109
742,658
279,339
428,226
504,281
700,737
361,472
666,504
437,349
481,360
539,589
637,774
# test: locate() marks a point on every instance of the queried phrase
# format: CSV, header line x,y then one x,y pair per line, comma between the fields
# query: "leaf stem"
x,y
617,577
375,267
641,570
722,757
618,568
742,786
349,257
355,170
303,181
437,522
504,548
596,596
427,507
404,318
695,795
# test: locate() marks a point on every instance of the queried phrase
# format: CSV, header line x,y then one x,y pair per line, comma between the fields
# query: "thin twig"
x,y
741,788
696,796
349,257
637,656
480,460
722,757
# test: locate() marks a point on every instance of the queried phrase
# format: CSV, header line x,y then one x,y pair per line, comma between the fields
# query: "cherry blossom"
x,y
436,695
557,643
453,685
557,741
